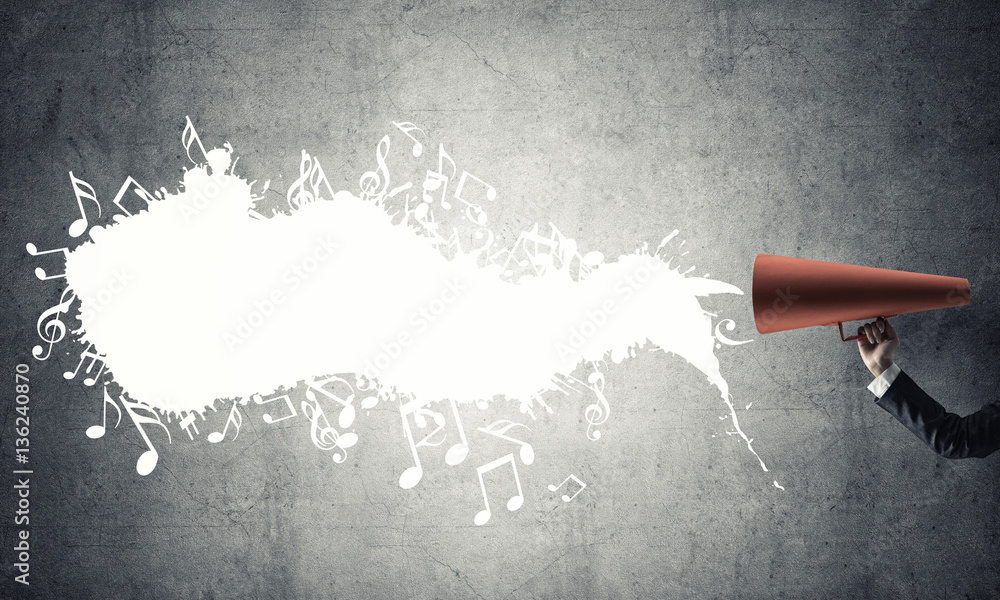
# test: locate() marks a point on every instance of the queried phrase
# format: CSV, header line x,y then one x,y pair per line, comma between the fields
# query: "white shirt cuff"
x,y
883,381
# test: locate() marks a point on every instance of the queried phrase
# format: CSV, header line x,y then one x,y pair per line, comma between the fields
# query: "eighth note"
x,y
515,501
83,191
267,416
40,272
236,418
567,497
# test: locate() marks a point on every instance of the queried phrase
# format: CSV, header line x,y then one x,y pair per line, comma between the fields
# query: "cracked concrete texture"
x,y
843,131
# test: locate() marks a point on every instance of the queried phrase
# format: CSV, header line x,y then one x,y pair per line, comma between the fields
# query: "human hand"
x,y
877,343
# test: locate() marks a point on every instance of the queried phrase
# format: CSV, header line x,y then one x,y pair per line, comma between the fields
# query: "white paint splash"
x,y
194,300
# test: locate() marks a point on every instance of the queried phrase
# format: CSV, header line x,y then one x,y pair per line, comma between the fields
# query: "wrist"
x,y
879,367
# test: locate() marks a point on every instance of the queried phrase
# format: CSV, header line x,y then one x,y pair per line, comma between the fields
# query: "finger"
x,y
862,340
890,330
877,333
868,332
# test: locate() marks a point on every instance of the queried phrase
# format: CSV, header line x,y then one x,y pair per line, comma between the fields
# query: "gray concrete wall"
x,y
857,132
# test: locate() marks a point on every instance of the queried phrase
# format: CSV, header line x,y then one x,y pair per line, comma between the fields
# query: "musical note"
x,y
189,137
457,453
139,191
50,328
598,412
267,417
406,127
730,325
188,421
499,428
326,437
372,186
533,257
365,384
97,431
347,413
236,418
83,191
400,188
94,357
438,180
146,462
567,497
515,501
411,476
40,272
474,209
312,172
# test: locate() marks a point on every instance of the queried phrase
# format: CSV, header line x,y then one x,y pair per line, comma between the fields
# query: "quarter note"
x,y
515,501
411,476
567,497
83,191
40,272
499,428
236,418
97,431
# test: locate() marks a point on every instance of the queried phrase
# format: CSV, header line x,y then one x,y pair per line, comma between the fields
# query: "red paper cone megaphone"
x,y
790,293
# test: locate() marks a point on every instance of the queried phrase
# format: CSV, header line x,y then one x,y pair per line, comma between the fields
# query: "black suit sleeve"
x,y
948,434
